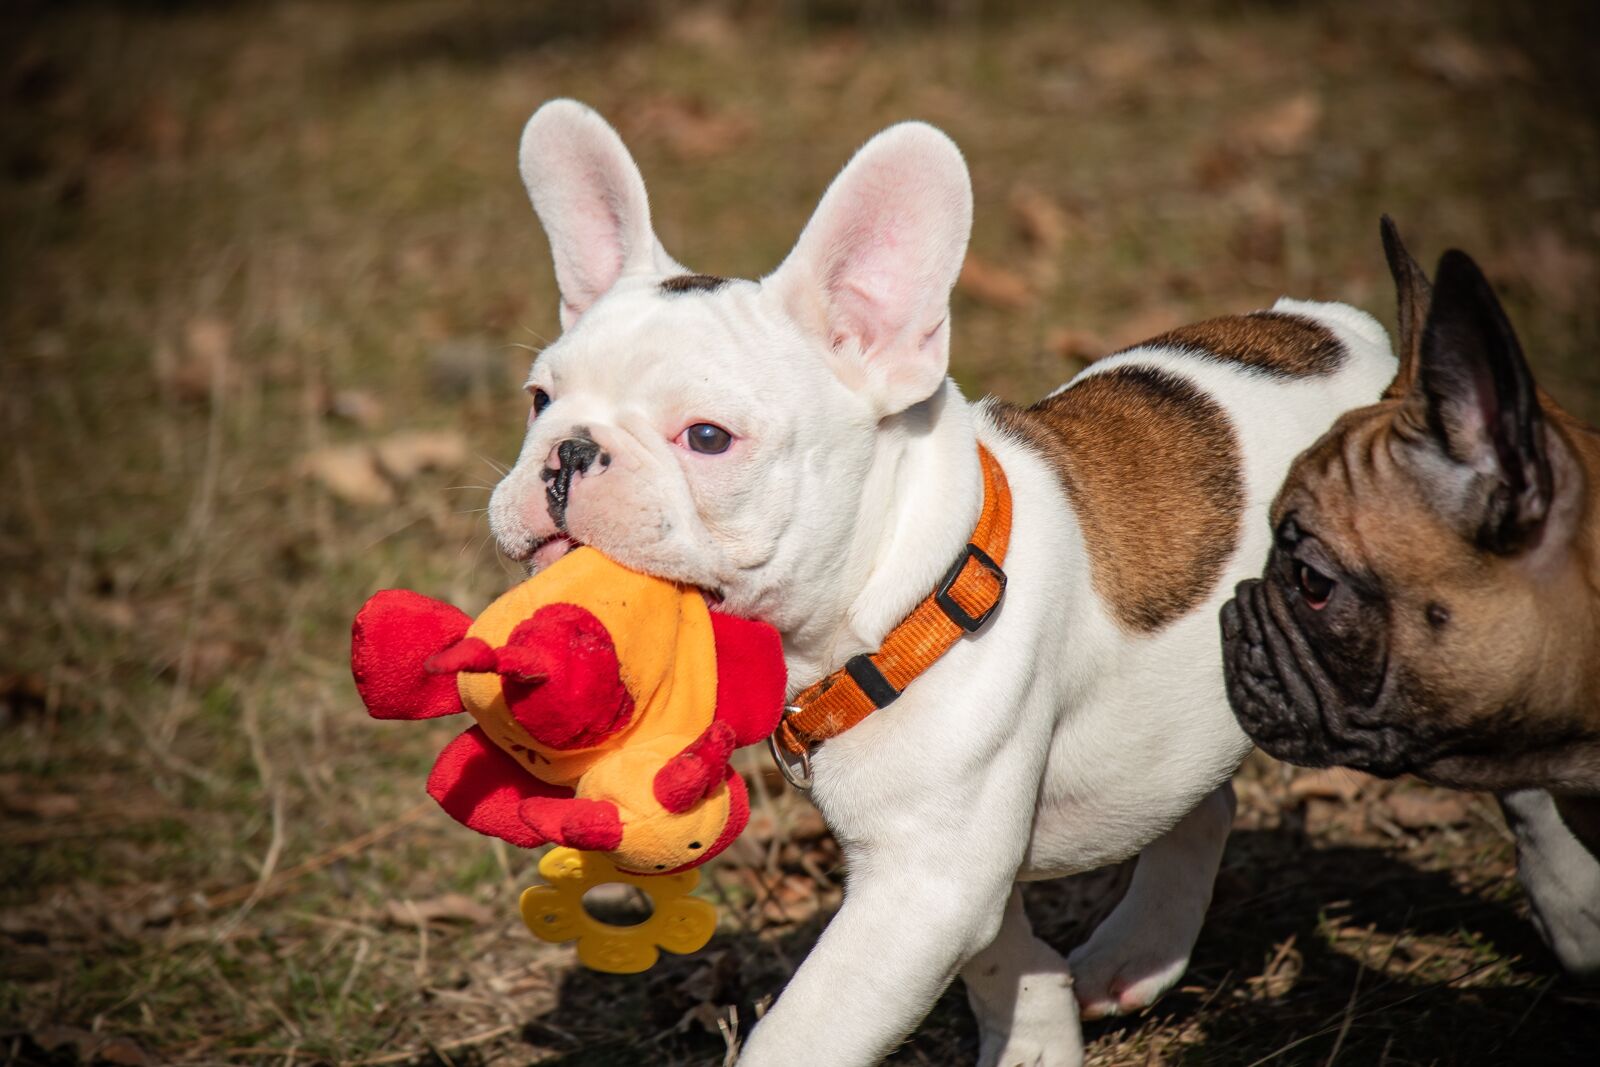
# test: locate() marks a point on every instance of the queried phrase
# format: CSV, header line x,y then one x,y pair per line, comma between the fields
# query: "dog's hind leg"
x,y
1021,993
1143,946
1560,875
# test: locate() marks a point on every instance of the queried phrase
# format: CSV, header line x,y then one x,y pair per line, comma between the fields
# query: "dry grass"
x,y
238,236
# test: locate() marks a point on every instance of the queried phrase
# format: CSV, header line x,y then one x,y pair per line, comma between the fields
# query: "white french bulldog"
x,y
794,447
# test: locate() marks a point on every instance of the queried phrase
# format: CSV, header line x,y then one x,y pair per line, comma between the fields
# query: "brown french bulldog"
x,y
1431,604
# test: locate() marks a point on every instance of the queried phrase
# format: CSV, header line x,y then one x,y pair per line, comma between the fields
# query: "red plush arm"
x,y
562,679
391,641
479,785
694,772
750,677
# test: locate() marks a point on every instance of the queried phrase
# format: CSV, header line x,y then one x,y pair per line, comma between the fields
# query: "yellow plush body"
x,y
664,642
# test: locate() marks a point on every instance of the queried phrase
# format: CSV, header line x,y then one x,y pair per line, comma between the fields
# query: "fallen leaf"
x,y
1129,58
42,805
793,900
689,127
1085,346
1258,234
1333,783
209,339
807,824
350,472
451,907
200,366
1427,809
403,456
464,366
1464,63
992,284
22,694
123,1052
1039,219
90,1047
1146,323
356,406
703,27
1556,270
1284,129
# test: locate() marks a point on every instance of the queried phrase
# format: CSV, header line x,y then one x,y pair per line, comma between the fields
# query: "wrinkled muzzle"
x,y
1284,699
598,485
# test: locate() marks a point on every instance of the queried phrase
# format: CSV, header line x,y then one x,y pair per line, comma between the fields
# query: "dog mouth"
x,y
546,550
1284,701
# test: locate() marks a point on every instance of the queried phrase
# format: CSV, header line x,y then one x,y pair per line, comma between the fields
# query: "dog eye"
x,y
1315,586
541,400
707,438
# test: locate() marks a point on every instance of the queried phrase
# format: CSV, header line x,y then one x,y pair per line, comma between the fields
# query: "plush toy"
x,y
607,703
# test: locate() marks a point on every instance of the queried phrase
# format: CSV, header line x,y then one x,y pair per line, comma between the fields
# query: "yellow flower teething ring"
x,y
678,922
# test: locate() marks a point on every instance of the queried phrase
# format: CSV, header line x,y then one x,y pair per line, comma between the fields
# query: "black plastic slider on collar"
x,y
866,674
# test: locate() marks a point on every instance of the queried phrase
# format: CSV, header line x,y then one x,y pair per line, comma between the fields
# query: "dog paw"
x,y
1110,983
1034,1049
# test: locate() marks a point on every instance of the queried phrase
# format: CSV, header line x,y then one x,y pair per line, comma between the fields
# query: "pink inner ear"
x,y
874,267
590,198
594,249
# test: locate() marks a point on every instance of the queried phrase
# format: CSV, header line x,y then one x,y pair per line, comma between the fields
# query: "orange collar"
x,y
969,593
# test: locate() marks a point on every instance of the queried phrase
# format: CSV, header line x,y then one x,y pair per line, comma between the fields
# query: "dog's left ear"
x,y
1413,295
872,272
588,193
1476,400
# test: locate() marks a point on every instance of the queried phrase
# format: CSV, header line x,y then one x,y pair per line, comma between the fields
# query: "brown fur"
x,y
693,283
1288,346
1153,470
1517,660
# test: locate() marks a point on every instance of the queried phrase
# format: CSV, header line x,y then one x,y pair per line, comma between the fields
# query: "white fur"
x,y
1050,743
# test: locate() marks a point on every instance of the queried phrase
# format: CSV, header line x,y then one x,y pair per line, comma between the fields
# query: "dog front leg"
x,y
1560,875
899,938
1021,993
1143,946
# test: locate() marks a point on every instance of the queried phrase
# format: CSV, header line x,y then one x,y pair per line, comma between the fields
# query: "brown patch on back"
x,y
693,283
1289,346
1153,471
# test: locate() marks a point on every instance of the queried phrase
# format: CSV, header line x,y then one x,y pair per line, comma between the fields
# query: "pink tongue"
x,y
553,550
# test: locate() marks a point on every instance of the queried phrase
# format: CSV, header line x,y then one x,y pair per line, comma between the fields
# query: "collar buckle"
x,y
797,772
946,600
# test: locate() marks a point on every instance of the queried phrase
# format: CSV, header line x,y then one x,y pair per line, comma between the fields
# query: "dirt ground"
x,y
268,284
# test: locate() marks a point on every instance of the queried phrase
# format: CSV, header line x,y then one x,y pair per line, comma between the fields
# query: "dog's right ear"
x,y
1474,409
1414,296
589,195
872,272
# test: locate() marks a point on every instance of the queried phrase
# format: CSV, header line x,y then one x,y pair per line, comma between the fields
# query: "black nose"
x,y
576,453
573,456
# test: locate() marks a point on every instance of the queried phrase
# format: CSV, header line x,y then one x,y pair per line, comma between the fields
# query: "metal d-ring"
x,y
801,778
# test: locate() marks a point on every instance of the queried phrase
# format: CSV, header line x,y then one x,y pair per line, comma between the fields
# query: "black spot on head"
x,y
693,283
1438,615
694,844
661,866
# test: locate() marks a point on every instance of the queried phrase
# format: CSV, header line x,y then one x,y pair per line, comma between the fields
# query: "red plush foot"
x,y
394,636
697,770
479,785
562,679
750,677
587,824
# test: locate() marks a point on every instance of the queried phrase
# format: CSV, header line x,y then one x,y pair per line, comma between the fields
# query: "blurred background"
x,y
268,288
